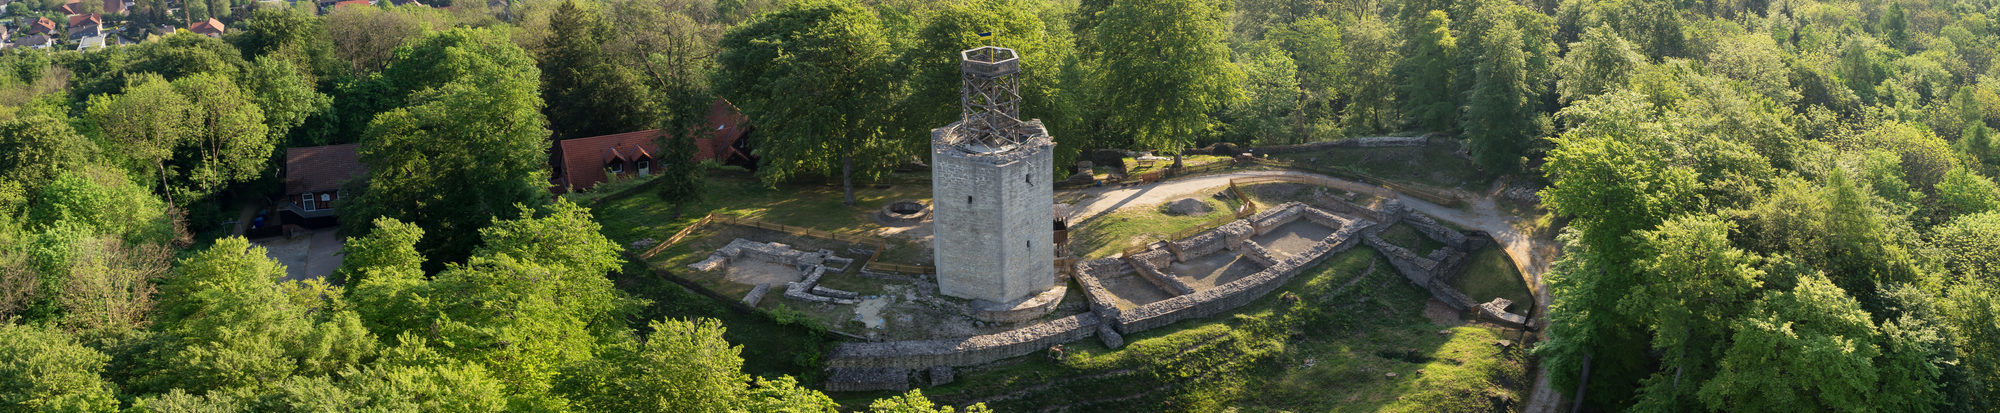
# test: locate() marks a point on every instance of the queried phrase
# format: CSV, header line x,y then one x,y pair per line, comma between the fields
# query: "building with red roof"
x,y
114,6
582,163
210,28
85,25
313,176
71,7
42,25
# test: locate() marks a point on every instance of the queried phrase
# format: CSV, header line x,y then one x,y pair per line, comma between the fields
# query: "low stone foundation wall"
x,y
1324,200
868,379
1214,240
1257,253
1025,309
1237,293
967,351
1276,216
1087,274
1430,228
1152,274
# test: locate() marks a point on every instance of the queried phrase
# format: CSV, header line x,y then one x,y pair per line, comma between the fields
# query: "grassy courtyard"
x,y
1435,165
1346,336
1108,234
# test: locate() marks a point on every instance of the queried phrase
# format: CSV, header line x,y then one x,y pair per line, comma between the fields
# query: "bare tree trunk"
x,y
164,192
847,179
1581,384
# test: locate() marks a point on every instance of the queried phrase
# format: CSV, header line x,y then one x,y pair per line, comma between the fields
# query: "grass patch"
x,y
1112,232
1490,273
1135,167
1318,344
1407,237
771,347
644,215
1433,165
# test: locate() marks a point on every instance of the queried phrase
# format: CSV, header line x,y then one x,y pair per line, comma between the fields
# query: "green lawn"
x,y
1312,346
770,348
1107,234
1135,167
1430,165
1407,237
643,215
1490,273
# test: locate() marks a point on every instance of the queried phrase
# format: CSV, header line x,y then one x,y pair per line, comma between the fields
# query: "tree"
x,y
1964,192
1896,27
36,149
286,96
1370,75
367,37
814,76
474,122
229,324
1613,173
1269,110
1163,69
1599,63
1966,248
1499,119
149,121
598,95
1428,97
684,178
1314,44
682,366
228,136
1697,284
914,402
43,369
292,35
1810,348
933,66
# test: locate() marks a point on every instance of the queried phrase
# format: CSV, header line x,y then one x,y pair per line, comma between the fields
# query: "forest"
x,y
1765,205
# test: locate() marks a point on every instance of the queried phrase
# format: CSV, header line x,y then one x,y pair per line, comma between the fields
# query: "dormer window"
x,y
645,166
615,168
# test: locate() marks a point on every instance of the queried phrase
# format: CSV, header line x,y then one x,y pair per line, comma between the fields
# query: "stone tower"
x,y
992,196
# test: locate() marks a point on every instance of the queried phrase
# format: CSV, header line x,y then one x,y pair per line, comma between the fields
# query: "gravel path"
x,y
1531,255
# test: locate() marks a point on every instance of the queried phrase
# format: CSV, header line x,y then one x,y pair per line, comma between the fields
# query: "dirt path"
x,y
1531,255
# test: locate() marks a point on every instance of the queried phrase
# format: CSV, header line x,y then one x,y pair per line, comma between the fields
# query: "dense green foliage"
x,y
1768,206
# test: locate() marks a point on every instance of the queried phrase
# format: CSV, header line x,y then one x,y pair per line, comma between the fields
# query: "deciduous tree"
x,y
1164,68
815,78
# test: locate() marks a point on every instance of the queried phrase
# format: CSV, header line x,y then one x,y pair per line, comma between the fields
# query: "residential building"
x,y
582,163
210,28
42,25
313,176
85,25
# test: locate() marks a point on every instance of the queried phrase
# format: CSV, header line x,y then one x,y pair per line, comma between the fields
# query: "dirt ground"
x,y
1213,270
1129,291
754,272
1294,238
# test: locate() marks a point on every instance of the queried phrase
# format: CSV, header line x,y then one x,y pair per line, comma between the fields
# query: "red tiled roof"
x,y
114,6
80,18
725,126
71,7
321,168
42,25
211,27
583,159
